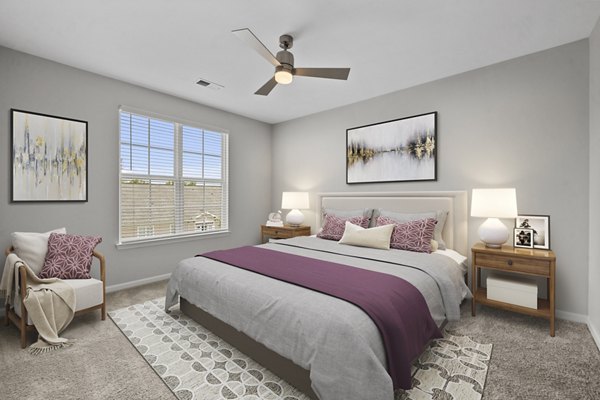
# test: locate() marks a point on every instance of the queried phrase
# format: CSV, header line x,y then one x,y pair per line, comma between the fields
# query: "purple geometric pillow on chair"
x,y
69,256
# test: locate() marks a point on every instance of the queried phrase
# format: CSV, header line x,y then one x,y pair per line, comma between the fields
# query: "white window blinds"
x,y
173,179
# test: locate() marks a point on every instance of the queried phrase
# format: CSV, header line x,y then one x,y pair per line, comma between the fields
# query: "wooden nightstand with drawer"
x,y
532,262
282,232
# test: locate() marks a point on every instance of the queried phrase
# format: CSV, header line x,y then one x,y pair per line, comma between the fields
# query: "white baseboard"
x,y
569,316
595,333
139,282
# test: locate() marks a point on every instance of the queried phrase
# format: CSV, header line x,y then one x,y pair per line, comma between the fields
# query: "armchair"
x,y
90,295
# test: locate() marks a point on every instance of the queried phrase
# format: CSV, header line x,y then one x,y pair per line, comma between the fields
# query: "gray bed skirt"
x,y
280,366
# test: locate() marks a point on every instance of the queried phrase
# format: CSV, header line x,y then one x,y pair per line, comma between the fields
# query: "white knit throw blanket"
x,y
10,279
50,304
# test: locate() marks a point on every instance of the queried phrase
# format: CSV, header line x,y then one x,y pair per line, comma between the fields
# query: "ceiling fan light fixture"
x,y
284,63
283,76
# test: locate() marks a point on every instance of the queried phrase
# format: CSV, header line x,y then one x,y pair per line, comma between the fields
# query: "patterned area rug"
x,y
196,364
454,367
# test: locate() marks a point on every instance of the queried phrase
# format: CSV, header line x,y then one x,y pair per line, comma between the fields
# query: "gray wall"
x,y
39,85
594,276
522,123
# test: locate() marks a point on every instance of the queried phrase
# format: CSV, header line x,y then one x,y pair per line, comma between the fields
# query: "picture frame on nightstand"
x,y
523,238
540,224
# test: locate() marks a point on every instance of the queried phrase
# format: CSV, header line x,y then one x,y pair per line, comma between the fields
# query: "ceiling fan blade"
x,y
267,87
329,73
246,36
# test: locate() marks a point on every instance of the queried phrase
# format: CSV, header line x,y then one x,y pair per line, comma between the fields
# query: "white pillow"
x,y
31,247
377,238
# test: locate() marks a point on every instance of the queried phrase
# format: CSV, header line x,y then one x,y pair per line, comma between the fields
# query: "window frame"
x,y
177,178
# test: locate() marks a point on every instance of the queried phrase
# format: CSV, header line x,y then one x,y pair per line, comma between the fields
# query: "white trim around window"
x,y
173,179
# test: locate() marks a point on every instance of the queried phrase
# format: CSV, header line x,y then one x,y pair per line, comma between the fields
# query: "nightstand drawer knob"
x,y
509,262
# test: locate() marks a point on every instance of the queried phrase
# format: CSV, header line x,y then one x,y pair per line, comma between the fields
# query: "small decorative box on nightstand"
x,y
516,261
283,232
515,290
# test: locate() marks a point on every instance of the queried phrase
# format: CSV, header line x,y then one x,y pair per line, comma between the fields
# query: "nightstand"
x,y
283,232
533,262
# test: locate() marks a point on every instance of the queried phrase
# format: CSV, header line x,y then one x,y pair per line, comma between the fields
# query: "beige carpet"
x,y
101,364
526,363
530,364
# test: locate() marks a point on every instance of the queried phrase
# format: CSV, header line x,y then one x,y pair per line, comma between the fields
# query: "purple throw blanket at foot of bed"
x,y
396,307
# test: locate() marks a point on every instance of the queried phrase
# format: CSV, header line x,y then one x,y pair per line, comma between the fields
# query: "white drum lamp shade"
x,y
494,204
294,201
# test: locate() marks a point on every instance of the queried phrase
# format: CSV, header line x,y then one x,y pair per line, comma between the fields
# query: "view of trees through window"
x,y
173,178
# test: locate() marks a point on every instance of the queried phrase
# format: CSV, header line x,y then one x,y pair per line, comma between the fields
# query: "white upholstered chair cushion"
x,y
88,293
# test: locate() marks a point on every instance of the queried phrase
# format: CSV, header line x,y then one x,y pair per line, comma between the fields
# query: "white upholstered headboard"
x,y
455,202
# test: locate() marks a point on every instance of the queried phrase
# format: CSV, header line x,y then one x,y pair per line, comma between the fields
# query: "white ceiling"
x,y
167,45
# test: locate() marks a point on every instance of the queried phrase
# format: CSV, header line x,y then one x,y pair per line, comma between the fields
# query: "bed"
x,y
326,347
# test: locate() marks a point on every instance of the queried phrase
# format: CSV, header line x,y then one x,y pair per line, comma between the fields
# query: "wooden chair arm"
x,y
102,260
100,257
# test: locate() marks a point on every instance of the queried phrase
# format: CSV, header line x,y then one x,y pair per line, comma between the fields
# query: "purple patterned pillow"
x,y
69,256
413,235
334,226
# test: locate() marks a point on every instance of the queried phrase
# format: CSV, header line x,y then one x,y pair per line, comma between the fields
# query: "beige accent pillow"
x,y
377,238
31,247
434,245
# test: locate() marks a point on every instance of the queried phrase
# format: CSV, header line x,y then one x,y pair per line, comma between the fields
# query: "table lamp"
x,y
494,204
294,201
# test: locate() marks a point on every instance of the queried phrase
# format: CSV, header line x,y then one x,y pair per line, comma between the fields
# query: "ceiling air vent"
x,y
209,84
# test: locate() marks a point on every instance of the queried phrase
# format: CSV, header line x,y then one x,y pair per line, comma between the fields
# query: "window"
x,y
173,179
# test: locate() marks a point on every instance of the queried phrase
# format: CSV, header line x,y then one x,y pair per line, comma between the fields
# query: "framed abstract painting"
x,y
49,158
401,150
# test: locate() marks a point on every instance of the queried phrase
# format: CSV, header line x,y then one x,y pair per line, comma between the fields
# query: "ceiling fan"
x,y
284,62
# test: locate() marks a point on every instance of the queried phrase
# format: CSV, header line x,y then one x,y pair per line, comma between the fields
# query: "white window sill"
x,y
168,240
